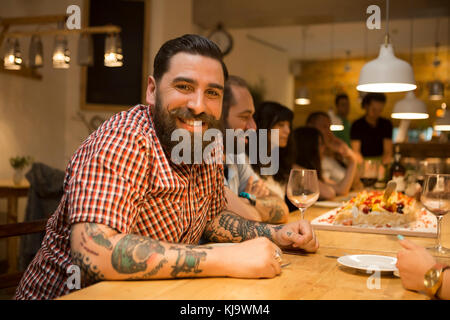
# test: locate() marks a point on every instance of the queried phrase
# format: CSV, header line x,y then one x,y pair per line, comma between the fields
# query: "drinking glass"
x,y
436,199
369,172
303,189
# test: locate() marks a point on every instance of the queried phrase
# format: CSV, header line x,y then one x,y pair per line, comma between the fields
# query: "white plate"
x,y
368,262
328,204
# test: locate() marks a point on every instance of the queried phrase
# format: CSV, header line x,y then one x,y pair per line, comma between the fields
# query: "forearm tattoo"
x,y
132,254
96,234
89,272
228,227
188,260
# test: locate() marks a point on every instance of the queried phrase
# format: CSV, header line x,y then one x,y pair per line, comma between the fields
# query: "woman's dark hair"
x,y
189,43
266,116
307,140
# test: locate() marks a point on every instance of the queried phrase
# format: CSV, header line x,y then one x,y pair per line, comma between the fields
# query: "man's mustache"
x,y
186,114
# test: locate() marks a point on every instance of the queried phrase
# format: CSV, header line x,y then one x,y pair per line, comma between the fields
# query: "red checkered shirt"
x,y
121,177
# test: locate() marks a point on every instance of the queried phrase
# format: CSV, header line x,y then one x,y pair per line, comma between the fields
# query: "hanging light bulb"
x,y
61,53
410,108
12,59
302,97
336,122
436,90
85,50
113,51
36,52
386,73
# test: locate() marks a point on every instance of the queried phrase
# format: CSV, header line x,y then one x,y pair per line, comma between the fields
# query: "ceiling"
x,y
263,13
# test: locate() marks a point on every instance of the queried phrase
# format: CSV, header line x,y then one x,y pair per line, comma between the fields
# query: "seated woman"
x,y
272,115
310,151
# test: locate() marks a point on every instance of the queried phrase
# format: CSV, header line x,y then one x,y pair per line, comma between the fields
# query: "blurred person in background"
x,y
342,109
371,135
310,147
336,155
247,194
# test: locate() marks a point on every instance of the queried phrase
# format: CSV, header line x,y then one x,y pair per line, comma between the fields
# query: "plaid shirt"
x,y
121,177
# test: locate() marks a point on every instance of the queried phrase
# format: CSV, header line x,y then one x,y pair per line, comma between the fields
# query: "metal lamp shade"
x,y
443,124
12,59
302,97
436,90
386,73
85,50
36,52
410,108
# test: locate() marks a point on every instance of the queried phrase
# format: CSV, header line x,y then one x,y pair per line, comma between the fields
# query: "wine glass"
x,y
436,199
369,172
303,189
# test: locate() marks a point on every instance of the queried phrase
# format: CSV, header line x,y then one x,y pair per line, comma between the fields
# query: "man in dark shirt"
x,y
371,135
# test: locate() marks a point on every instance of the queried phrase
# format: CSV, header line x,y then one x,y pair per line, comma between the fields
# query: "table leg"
x,y
12,241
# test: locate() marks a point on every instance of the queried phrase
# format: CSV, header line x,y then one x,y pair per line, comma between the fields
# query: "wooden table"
x,y
12,193
311,276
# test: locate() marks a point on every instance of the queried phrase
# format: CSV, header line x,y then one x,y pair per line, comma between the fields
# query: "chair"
x,y
12,279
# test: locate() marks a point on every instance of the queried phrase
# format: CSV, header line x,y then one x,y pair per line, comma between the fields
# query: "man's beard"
x,y
165,124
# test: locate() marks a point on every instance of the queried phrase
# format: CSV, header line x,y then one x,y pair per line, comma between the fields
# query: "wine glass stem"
x,y
302,213
439,246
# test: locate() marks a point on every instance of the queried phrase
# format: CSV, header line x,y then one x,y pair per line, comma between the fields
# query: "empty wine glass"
x,y
436,199
303,189
369,172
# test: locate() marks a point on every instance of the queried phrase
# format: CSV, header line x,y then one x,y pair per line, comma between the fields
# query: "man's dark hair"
x,y
189,43
339,97
228,98
314,116
373,96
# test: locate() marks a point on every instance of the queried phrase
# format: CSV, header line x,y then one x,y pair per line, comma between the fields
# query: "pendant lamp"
x,y
410,108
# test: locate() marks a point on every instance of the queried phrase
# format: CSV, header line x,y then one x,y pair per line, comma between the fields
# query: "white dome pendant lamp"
x,y
386,73
410,108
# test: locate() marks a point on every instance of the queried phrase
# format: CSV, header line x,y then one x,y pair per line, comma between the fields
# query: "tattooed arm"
x,y
228,227
270,209
104,254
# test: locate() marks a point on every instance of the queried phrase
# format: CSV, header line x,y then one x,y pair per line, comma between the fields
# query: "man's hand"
x,y
412,263
254,258
258,188
298,234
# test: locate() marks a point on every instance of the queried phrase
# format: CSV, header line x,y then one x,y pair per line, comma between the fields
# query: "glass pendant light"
x,y
85,50
386,73
12,60
61,53
113,51
36,52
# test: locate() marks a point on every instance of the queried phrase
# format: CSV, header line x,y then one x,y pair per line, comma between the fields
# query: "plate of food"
x,y
369,212
369,262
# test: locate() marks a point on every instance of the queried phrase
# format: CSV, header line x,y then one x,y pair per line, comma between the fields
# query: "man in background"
x,y
371,135
342,109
